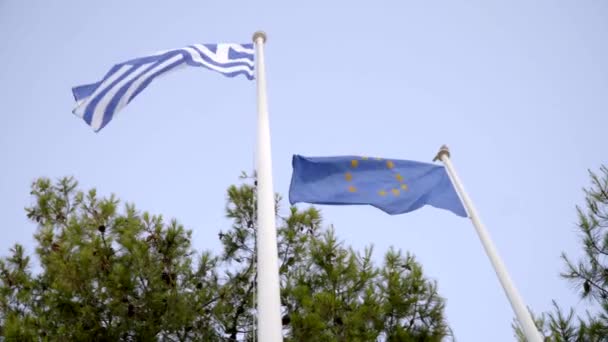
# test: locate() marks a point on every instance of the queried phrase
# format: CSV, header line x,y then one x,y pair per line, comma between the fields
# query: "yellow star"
x,y
382,193
354,163
390,164
399,177
404,187
348,176
395,192
352,189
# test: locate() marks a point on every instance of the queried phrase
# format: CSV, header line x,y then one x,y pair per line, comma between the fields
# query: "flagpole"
x,y
523,315
269,301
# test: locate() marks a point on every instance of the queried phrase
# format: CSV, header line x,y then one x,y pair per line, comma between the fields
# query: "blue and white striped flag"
x,y
97,103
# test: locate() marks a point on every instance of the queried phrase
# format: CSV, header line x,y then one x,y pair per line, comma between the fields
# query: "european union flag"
x,y
393,186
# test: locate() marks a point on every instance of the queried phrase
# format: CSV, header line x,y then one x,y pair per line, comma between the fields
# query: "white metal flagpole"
x,y
523,315
269,301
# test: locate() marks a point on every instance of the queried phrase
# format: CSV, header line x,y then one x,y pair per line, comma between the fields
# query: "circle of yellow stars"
x,y
354,163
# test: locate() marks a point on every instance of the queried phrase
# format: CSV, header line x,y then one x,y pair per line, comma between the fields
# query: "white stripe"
x,y
102,105
81,109
123,101
78,103
197,58
241,48
222,55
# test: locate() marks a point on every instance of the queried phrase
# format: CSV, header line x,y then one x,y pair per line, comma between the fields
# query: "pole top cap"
x,y
443,151
259,34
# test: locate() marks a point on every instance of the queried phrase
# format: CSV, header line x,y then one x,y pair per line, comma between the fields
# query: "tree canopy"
x,y
109,272
589,275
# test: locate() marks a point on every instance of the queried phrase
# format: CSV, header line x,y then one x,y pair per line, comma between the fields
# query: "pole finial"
x,y
443,150
259,34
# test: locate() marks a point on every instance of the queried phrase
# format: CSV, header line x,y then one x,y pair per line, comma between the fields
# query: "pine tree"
x,y
588,275
105,276
108,274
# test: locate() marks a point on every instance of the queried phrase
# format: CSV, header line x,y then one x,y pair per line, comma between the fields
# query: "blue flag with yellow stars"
x,y
393,186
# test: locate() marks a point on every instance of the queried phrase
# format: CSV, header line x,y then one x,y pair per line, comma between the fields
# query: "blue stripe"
x,y
214,63
84,91
211,47
145,84
233,54
149,59
88,114
109,113
240,72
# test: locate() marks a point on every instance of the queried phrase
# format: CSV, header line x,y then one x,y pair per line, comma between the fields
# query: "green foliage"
x,y
589,275
105,276
112,273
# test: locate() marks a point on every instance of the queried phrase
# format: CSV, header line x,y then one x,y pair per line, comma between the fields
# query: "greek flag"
x,y
97,103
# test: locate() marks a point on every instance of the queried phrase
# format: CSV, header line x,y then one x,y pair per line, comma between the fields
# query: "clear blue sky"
x,y
517,89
